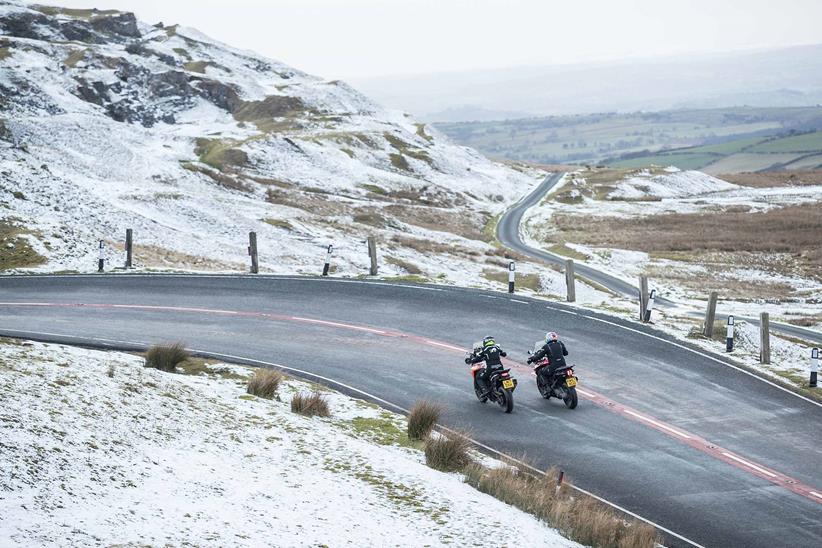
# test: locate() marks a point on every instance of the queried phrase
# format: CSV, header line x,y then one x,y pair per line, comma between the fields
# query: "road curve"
x,y
684,439
508,233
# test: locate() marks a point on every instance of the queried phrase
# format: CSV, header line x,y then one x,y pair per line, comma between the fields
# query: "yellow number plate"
x,y
570,381
507,383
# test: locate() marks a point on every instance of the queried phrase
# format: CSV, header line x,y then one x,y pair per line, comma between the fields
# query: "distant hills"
x,y
772,78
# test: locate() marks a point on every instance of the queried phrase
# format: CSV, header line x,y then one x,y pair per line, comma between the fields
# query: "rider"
x,y
490,353
553,349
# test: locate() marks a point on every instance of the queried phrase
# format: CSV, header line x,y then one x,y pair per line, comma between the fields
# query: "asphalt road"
x,y
508,234
703,449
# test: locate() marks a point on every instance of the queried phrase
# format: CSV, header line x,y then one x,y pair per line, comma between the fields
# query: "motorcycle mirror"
x,y
530,353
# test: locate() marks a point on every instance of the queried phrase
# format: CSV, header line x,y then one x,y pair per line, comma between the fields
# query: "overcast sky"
x,y
354,39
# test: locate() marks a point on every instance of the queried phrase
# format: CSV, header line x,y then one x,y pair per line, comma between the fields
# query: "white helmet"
x,y
551,336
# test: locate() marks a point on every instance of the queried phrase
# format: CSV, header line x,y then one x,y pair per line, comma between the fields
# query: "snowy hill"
x,y
108,123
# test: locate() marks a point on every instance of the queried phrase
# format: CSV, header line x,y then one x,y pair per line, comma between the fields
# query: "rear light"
x,y
569,372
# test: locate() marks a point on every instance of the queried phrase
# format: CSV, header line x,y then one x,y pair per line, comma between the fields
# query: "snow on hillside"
x,y
99,450
108,123
672,184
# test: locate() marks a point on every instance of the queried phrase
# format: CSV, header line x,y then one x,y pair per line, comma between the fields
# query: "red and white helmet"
x,y
551,336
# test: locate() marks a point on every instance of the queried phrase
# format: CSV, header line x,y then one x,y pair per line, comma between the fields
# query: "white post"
x,y
328,260
650,306
512,267
729,335
814,367
101,259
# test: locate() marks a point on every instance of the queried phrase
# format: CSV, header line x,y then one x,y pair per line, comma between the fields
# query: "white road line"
x,y
658,424
704,355
337,324
586,393
749,464
435,343
403,410
518,301
814,493
564,311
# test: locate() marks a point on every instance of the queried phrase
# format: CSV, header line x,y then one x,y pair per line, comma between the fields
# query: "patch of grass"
x,y
579,517
15,249
527,281
565,251
447,454
383,430
410,268
413,278
5,52
265,383
421,132
374,189
279,223
198,66
75,57
422,419
310,404
371,219
165,357
399,161
219,153
200,366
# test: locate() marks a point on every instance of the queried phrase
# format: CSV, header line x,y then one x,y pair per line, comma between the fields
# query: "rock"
x,y
122,25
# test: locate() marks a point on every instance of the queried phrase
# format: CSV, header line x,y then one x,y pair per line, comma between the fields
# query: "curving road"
x,y
508,233
707,451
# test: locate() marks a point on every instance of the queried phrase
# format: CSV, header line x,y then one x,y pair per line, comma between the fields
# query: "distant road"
x,y
508,233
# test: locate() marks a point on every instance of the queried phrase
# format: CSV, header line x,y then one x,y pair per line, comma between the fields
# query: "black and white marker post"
x,y
327,264
814,367
512,268
729,335
650,306
101,258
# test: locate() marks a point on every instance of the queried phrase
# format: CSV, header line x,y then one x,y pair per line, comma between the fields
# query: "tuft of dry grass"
x,y
447,454
265,383
579,517
310,404
165,357
422,419
110,371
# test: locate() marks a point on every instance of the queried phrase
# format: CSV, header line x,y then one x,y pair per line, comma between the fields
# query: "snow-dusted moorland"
x,y
99,450
109,123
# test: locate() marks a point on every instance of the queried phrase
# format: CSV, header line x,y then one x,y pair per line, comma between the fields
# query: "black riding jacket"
x,y
490,355
555,351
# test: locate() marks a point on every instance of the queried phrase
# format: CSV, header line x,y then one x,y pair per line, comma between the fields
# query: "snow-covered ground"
x,y
98,450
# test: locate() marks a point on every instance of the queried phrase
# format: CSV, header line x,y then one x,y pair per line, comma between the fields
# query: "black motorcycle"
x,y
560,384
502,387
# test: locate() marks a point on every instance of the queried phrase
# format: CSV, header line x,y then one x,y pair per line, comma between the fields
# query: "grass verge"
x,y
165,357
265,383
310,404
422,419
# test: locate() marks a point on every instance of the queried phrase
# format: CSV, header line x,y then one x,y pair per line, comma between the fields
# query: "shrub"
x,y
264,383
310,405
165,357
422,418
447,454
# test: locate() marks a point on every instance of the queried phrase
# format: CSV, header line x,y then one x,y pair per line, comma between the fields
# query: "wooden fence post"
x,y
764,338
643,297
372,253
252,250
570,287
129,245
710,315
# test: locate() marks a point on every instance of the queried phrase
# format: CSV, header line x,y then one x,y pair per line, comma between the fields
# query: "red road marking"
x,y
693,440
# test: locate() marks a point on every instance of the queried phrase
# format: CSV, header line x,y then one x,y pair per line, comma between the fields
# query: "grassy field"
x,y
689,139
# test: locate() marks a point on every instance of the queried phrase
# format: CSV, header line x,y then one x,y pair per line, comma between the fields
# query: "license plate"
x,y
570,382
508,383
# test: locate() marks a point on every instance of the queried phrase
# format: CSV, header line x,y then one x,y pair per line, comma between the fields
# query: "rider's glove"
x,y
468,360
530,360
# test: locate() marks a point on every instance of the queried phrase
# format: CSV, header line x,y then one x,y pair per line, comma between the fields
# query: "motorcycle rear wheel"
x,y
506,400
570,398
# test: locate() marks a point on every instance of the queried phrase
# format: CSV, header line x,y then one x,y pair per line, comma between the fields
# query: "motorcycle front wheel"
x,y
544,389
478,392
570,398
506,400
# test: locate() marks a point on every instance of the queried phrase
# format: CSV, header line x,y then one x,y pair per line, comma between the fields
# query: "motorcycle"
x,y
502,387
561,384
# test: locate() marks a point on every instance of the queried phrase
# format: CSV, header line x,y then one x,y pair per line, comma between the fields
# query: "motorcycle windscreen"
x,y
538,345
